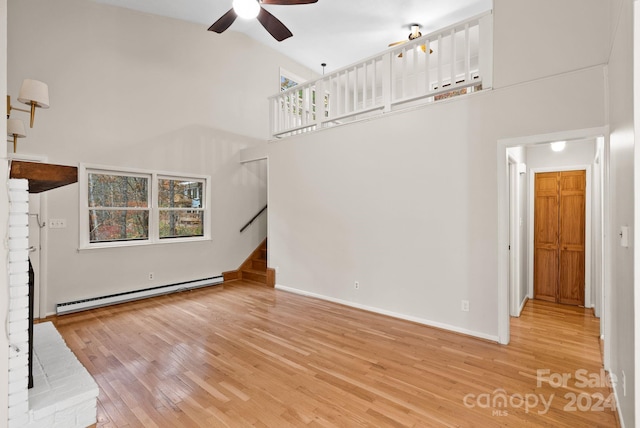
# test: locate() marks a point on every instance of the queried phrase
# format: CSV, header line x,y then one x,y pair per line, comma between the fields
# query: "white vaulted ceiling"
x,y
337,32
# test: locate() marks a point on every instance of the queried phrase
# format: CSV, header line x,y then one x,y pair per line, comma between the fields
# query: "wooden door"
x,y
559,237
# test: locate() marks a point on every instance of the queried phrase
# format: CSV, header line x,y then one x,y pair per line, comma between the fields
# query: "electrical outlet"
x,y
150,276
57,223
465,306
356,285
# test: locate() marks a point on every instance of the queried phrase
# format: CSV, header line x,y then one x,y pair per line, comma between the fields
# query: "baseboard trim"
x,y
522,305
417,320
618,410
231,275
128,296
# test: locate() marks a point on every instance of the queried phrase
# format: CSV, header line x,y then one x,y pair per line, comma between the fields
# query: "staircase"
x,y
254,268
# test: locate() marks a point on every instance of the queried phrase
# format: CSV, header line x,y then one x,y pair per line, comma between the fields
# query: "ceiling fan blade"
x,y
397,43
224,22
273,25
287,2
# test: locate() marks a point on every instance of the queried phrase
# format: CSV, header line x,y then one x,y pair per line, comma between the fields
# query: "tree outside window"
x,y
118,207
122,208
180,208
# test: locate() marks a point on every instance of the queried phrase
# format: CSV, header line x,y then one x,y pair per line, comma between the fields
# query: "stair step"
x,y
254,275
260,265
262,254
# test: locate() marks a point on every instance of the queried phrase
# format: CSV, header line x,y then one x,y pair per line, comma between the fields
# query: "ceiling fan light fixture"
x,y
246,9
415,32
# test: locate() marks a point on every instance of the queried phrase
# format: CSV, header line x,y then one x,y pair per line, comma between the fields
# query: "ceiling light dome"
x,y
558,146
247,9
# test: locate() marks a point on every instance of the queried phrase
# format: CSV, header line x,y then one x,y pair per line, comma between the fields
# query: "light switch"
x,y
624,236
57,223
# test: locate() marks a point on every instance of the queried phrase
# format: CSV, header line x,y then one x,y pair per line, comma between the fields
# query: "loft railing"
x,y
453,61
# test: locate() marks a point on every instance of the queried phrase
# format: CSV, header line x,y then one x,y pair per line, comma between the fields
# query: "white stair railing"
x,y
453,61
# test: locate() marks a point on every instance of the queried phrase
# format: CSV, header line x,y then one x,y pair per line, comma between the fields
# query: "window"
x,y
180,208
118,207
126,207
289,80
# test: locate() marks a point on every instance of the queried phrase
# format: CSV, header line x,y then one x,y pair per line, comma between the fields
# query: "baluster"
x,y
320,107
374,79
467,54
414,56
440,61
346,92
289,107
364,85
338,97
427,61
404,72
388,77
355,88
304,110
453,57
280,113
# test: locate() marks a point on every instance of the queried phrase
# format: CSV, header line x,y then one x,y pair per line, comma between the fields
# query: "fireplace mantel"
x,y
43,176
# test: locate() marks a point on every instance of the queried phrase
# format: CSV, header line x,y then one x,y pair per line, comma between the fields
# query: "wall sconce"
x,y
32,93
15,129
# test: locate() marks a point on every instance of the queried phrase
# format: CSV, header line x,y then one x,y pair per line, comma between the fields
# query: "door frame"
x,y
587,227
504,334
514,238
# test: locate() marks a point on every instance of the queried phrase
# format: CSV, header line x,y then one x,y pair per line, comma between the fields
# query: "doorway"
x,y
559,237
504,147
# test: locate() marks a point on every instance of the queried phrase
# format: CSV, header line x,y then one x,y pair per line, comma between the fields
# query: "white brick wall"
x,y
64,393
18,412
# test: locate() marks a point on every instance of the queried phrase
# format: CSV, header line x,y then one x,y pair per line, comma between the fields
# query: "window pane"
x,y
179,194
286,83
118,191
175,224
118,225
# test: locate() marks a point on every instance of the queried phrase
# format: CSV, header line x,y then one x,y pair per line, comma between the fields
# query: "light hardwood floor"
x,y
246,355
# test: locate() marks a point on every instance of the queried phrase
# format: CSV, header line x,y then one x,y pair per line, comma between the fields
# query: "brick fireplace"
x,y
64,394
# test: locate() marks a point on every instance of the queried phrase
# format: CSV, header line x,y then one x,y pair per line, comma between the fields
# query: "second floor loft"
x,y
453,61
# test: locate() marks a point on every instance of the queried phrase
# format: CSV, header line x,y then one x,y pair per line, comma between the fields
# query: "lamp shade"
x,y
15,127
34,91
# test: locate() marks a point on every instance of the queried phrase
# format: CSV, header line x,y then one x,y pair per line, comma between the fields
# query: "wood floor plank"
x,y
246,355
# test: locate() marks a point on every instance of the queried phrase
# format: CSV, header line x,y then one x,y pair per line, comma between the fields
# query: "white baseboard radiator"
x,y
128,296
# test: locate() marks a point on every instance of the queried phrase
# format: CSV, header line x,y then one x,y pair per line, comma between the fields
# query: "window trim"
x,y
291,76
153,206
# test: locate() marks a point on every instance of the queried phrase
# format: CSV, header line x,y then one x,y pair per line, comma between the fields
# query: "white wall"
x,y
4,222
621,194
536,39
575,153
136,90
407,204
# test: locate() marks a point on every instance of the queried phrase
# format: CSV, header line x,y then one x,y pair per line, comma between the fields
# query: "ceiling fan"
x,y
415,33
250,9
